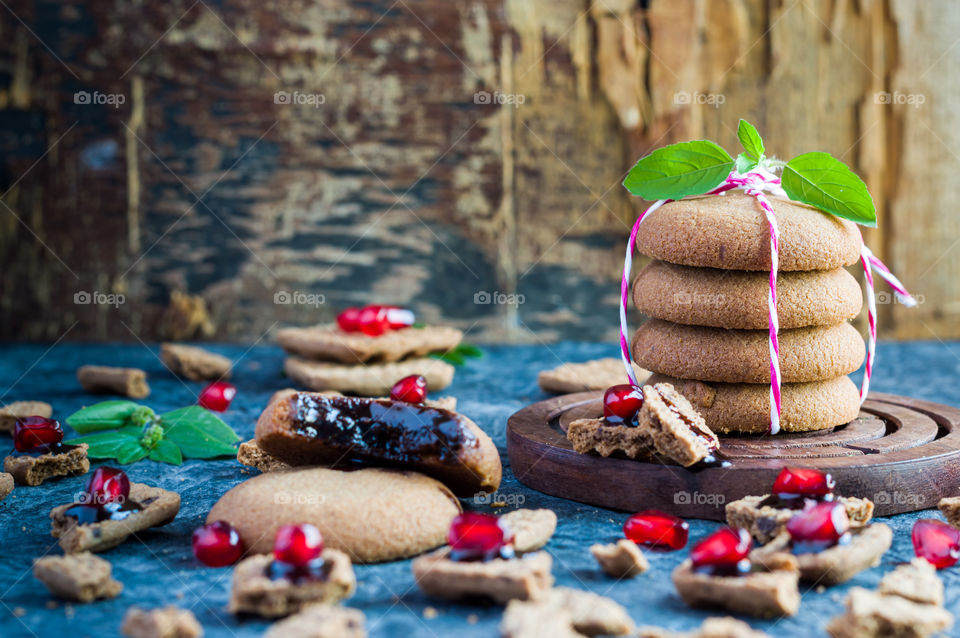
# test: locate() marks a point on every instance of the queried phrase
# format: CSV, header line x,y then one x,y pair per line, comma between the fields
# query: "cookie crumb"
x,y
19,612
430,613
472,619
531,529
166,622
622,559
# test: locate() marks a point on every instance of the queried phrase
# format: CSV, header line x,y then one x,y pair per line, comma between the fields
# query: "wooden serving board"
x,y
901,453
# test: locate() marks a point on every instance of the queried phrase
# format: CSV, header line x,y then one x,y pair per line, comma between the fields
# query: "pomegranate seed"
x,y
297,544
217,396
818,527
217,544
108,485
937,542
803,482
399,318
349,320
372,321
724,548
33,431
477,536
621,403
412,389
654,528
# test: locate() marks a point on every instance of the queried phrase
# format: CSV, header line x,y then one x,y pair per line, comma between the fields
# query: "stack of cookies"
x,y
706,295
325,357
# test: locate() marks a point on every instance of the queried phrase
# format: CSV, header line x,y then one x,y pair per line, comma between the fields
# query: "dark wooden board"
x,y
902,453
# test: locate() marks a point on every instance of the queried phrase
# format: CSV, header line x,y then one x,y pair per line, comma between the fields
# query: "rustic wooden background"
x,y
463,150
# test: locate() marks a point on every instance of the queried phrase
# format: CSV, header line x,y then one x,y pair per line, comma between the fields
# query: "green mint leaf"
x,y
745,164
196,442
678,170
131,452
102,416
166,452
202,419
750,140
825,182
469,350
451,356
106,444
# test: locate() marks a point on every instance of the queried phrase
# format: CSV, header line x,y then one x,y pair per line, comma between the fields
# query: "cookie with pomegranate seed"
x,y
40,454
598,374
11,412
372,514
368,380
726,627
127,382
81,577
622,559
916,581
6,485
308,428
565,612
873,615
94,526
195,364
531,529
330,343
320,621
164,622
499,579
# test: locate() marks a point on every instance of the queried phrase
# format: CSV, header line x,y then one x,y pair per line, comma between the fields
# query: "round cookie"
x,y
731,232
371,514
743,356
745,407
737,299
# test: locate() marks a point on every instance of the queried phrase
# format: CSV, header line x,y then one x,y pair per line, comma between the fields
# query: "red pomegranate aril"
x,y
654,528
399,318
936,542
819,526
349,320
373,321
297,544
412,389
217,544
621,403
803,482
724,548
474,535
108,485
217,396
31,432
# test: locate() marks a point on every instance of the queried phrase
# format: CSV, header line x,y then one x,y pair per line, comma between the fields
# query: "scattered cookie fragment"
x,y
320,621
769,591
128,382
35,468
155,507
725,627
598,374
622,559
950,507
500,579
565,612
165,622
916,581
81,577
531,529
765,521
195,364
873,615
6,484
370,380
19,409
255,592
329,343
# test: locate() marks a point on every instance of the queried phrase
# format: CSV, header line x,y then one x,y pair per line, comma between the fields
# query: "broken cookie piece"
x,y
531,529
259,589
195,364
598,374
766,516
92,527
128,382
250,454
916,581
6,485
81,577
622,559
166,622
950,507
565,612
874,615
500,579
369,380
11,412
725,627
320,621
45,462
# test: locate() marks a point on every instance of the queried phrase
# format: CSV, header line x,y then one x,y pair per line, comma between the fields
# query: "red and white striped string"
x,y
755,183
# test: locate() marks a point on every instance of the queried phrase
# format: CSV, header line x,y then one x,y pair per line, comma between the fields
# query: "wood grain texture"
x,y
411,183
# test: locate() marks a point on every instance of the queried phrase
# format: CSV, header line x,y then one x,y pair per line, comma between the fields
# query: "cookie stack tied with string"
x,y
748,298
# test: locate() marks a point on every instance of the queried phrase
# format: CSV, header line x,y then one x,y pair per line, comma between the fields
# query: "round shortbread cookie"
x,y
737,299
731,232
743,356
745,407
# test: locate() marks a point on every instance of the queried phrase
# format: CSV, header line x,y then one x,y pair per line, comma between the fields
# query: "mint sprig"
x,y
459,355
129,432
694,168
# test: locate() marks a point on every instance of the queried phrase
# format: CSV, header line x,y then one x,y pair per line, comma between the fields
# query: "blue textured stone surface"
x,y
158,568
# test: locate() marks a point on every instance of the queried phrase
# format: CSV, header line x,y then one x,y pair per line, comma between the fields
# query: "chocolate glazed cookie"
x,y
737,299
306,428
743,356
